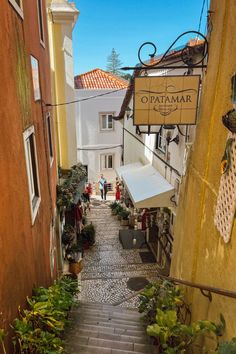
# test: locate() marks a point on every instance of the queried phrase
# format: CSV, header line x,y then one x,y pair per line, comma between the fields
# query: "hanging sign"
x,y
160,100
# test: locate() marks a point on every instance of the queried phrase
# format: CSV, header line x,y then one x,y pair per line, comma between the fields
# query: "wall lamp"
x,y
169,138
129,113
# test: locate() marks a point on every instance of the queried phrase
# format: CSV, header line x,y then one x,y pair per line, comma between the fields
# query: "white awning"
x,y
127,168
147,188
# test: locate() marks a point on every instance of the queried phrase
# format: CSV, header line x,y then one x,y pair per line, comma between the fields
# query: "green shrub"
x,y
124,214
68,234
39,328
118,209
113,205
88,234
162,304
227,347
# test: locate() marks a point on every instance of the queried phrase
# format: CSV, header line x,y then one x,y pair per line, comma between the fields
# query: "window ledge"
x,y
17,8
34,210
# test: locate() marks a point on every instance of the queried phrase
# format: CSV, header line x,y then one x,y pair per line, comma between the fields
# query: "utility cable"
x,y
98,149
200,20
84,99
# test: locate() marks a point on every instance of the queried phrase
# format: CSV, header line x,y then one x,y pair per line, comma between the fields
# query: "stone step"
x,y
113,313
83,349
111,329
111,336
103,306
114,344
109,319
107,323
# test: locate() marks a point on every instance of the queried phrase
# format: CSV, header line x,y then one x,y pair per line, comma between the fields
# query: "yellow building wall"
x,y
58,84
200,254
60,96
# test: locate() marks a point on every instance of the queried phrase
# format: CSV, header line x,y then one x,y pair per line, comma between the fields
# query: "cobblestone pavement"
x,y
107,266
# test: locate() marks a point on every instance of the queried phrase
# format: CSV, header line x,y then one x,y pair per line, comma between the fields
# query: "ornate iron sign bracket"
x,y
186,55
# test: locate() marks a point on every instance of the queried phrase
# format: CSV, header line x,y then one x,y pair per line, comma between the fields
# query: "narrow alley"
x,y
107,320
107,266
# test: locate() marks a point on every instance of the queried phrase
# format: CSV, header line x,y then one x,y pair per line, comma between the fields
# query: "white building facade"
x,y
165,149
99,137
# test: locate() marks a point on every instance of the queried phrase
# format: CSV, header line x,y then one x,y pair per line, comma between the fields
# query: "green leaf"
x,y
153,330
220,328
227,347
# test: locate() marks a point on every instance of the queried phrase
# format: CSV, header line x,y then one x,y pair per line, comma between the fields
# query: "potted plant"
x,y
88,236
124,217
68,235
118,210
113,207
74,256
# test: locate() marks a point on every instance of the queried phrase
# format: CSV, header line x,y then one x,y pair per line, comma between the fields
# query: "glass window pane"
x,y
110,122
34,168
110,161
41,33
31,178
104,122
49,137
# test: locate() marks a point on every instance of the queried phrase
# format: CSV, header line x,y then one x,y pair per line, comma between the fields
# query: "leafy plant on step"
x,y
39,328
163,295
162,304
113,205
118,209
2,338
173,336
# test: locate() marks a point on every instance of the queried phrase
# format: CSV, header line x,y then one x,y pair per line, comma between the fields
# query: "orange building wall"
x,y
24,248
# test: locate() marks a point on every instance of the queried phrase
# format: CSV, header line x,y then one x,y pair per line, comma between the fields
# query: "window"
x,y
50,145
161,140
35,78
40,19
32,171
17,4
106,121
107,162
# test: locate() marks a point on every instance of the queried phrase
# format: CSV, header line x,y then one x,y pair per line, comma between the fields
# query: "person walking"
x,y
105,190
102,187
117,191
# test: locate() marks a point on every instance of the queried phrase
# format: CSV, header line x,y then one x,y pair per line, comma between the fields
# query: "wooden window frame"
x,y
105,157
32,171
107,114
18,9
40,23
50,140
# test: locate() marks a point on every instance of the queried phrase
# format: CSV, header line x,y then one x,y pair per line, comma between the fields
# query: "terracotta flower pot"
x,y
75,267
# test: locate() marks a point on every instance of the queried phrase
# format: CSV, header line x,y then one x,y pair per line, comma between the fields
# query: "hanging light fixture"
x,y
129,113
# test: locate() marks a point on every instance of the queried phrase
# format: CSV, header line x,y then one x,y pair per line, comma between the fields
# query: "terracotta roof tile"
x,y
99,79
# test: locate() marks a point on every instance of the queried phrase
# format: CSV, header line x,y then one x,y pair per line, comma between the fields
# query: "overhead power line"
x,y
84,99
98,149
200,20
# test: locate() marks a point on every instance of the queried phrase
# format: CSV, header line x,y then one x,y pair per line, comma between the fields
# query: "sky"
x,y
125,24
